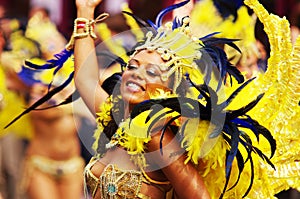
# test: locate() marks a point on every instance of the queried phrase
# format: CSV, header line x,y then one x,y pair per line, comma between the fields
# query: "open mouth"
x,y
134,87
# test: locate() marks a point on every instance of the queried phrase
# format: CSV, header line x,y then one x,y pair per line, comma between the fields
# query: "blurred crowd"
x,y
38,29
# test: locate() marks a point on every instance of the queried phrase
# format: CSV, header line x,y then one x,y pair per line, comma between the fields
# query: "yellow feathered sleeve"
x,y
279,109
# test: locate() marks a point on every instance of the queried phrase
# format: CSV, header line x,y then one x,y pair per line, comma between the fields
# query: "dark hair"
x,y
116,113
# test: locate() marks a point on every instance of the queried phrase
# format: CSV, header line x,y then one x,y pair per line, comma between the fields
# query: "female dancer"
x,y
148,141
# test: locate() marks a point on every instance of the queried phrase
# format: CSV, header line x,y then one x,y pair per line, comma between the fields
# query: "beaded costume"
x,y
238,146
115,182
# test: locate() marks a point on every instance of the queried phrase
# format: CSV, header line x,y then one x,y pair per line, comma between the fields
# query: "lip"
x,y
132,89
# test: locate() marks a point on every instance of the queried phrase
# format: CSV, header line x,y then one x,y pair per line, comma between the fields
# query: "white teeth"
x,y
134,86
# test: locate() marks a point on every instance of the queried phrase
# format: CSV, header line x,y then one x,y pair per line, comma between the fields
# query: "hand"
x,y
87,3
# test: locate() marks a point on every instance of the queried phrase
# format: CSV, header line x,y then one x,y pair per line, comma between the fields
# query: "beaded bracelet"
x,y
88,26
81,23
88,29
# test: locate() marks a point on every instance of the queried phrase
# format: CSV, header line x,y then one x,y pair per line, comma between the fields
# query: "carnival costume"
x,y
235,155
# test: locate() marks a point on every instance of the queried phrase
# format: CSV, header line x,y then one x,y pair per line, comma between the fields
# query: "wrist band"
x,y
81,23
88,26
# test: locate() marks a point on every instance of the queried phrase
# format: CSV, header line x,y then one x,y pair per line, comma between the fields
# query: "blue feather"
x,y
241,164
156,119
246,124
45,98
227,8
27,75
58,61
234,133
235,93
176,23
209,35
163,132
251,177
162,13
153,25
247,144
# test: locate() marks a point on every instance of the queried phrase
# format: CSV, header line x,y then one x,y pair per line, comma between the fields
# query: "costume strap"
x,y
153,181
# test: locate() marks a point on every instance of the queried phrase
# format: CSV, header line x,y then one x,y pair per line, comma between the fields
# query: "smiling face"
x,y
142,74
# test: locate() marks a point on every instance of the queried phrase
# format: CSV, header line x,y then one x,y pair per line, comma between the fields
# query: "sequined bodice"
x,y
116,183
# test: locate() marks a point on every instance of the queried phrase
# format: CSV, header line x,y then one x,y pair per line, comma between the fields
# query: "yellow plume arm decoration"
x,y
278,110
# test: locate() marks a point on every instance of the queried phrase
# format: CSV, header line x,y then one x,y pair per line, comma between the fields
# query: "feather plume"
x,y
228,7
161,14
42,100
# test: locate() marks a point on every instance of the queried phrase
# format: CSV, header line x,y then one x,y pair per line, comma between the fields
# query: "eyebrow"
x,y
148,64
134,60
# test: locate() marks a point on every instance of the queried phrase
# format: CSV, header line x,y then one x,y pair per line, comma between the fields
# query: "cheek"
x,y
122,87
125,75
124,79
159,84
156,80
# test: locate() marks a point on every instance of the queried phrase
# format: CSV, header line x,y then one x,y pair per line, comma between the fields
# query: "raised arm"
x,y
86,65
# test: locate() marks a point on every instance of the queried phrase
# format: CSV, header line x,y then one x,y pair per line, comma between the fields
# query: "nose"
x,y
138,73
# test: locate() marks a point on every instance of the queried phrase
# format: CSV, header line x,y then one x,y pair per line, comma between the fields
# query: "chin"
x,y
134,98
